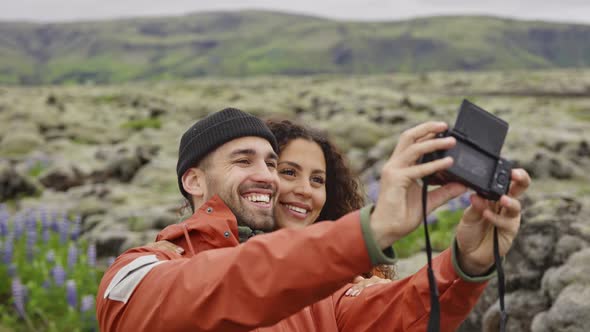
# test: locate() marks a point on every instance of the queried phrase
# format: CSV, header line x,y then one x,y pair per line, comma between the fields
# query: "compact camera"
x,y
477,162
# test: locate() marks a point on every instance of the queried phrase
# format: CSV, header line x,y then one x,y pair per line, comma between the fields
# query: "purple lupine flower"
x,y
373,190
53,224
76,228
59,275
453,205
46,235
12,270
8,249
45,226
110,261
64,228
31,232
30,219
431,219
71,295
18,296
18,225
4,216
465,200
3,226
46,284
44,216
91,253
39,160
87,303
50,256
31,242
72,255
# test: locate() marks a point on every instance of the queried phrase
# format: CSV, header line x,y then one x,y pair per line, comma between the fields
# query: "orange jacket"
x,y
288,280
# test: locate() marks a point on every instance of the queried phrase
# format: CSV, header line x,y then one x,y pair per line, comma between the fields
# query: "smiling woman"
x,y
302,193
315,182
342,190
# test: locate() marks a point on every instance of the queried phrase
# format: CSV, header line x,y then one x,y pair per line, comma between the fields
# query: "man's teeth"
x,y
259,198
296,209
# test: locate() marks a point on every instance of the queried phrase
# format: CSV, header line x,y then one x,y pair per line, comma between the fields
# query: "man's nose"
x,y
265,174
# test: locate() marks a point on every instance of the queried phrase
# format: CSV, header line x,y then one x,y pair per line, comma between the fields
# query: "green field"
x,y
249,43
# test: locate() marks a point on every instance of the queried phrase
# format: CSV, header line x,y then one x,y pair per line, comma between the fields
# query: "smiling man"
x,y
226,279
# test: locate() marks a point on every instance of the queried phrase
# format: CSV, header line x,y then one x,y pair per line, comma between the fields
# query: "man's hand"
x,y
475,232
399,207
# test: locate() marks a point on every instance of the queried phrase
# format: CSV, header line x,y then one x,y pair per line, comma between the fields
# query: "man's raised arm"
x,y
255,284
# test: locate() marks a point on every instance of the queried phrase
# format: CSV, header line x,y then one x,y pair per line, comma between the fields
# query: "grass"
x,y
441,235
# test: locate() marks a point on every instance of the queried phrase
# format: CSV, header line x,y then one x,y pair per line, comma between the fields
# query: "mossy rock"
x,y
360,133
20,143
157,176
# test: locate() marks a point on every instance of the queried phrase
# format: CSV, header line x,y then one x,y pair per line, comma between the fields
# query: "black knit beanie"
x,y
213,131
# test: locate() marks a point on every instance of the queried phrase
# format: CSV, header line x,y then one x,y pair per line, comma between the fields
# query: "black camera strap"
x,y
434,319
500,271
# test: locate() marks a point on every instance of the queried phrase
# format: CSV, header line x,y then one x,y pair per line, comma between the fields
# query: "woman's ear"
x,y
193,181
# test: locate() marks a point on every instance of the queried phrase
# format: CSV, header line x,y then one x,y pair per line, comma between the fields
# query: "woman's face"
x,y
302,190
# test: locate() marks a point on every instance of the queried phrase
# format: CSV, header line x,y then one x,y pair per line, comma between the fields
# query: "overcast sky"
x,y
68,10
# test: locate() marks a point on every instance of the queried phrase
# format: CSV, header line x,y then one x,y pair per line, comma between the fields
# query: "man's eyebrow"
x,y
235,153
251,152
272,155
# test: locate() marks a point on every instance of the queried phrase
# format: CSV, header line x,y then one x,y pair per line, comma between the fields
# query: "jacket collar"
x,y
214,223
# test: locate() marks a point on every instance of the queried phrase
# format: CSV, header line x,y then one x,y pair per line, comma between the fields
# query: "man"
x,y
293,280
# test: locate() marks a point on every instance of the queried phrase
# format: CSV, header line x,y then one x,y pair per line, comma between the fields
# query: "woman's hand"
x,y
361,283
166,246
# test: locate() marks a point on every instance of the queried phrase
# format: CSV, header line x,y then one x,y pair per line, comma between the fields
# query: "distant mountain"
x,y
266,43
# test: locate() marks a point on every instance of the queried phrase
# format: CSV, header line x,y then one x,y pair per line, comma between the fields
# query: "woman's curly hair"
x,y
342,187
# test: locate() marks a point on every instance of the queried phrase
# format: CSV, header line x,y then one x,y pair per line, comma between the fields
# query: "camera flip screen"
x,y
475,167
477,162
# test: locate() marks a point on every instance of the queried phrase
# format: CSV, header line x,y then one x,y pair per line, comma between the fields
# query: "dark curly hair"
x,y
342,187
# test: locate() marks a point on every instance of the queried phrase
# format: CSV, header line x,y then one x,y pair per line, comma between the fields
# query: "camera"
x,y
477,162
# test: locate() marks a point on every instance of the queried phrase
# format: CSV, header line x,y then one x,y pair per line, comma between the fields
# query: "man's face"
x,y
243,172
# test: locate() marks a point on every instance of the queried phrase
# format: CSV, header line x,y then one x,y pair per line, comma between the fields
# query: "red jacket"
x,y
288,280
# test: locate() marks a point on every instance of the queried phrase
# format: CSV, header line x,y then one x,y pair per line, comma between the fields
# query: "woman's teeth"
x,y
258,198
296,209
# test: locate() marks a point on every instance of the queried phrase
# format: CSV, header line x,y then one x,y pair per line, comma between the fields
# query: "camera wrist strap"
x,y
500,271
434,319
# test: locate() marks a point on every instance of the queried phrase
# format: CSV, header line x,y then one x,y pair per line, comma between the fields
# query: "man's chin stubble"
x,y
265,223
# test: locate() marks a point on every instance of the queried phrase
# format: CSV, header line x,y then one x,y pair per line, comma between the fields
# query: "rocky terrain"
x,y
108,154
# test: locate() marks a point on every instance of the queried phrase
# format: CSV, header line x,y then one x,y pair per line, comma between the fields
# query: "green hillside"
x,y
268,43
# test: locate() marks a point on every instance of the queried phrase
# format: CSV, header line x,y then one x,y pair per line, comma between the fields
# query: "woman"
x,y
316,185
312,171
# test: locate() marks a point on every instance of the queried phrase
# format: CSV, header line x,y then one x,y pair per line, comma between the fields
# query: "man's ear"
x,y
193,181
